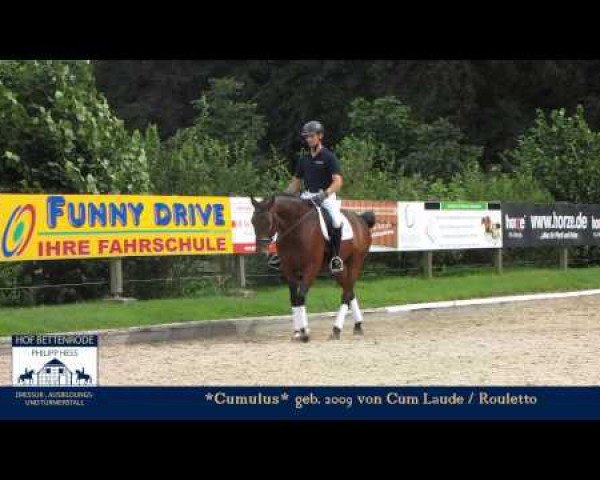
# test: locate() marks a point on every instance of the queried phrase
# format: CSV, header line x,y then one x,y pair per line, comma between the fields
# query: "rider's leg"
x,y
332,206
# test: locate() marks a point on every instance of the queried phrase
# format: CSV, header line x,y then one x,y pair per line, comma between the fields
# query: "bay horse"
x,y
304,252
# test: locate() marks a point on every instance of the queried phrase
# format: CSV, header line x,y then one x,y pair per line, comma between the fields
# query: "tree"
x,y
363,178
224,114
472,183
563,154
58,133
219,154
435,150
387,120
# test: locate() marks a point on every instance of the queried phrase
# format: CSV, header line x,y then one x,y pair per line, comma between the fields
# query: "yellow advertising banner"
x,y
55,227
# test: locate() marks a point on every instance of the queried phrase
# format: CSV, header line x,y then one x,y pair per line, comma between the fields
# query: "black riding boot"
x,y
336,265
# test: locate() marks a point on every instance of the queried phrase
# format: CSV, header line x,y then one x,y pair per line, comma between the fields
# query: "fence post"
x,y
498,260
116,277
242,271
428,264
564,258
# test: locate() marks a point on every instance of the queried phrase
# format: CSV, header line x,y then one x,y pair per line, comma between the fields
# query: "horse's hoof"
x,y
304,335
358,329
335,334
297,336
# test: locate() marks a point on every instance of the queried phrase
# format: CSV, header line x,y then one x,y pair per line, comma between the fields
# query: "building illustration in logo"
x,y
54,372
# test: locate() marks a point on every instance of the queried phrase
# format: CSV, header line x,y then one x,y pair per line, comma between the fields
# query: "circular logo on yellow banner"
x,y
18,231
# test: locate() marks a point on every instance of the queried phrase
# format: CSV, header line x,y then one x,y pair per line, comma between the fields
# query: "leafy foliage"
x,y
562,153
364,179
433,150
59,135
218,154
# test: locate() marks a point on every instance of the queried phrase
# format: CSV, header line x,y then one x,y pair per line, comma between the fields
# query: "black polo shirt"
x,y
318,171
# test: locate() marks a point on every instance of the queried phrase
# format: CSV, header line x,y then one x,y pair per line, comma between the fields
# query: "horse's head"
x,y
263,221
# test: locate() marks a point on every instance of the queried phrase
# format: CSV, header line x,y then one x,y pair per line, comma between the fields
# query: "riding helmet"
x,y
313,126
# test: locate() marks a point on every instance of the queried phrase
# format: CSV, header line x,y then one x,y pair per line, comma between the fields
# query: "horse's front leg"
x,y
298,291
308,277
298,308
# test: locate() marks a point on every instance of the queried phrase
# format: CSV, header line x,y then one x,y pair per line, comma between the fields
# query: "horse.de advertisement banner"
x,y
560,224
52,227
449,225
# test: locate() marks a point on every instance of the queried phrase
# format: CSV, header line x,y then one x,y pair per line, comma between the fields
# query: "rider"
x,y
323,179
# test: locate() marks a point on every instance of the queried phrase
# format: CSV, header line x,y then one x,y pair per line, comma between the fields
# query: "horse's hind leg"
x,y
356,313
358,317
345,281
338,324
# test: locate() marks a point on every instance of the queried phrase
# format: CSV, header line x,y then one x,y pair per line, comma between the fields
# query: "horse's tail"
x,y
369,218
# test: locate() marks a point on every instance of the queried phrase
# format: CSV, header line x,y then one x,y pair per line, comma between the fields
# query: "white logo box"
x,y
55,360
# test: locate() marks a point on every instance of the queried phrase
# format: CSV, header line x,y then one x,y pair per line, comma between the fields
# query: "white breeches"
x,y
331,205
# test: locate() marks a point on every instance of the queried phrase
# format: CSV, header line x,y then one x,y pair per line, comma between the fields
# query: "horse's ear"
x,y
255,203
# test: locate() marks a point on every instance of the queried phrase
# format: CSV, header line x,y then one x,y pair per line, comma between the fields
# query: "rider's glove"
x,y
320,198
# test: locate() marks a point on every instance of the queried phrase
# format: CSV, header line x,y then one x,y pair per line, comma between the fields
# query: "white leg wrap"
x,y
303,317
297,318
356,313
341,316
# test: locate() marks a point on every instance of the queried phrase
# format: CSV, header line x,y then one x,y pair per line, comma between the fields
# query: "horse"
x,y
81,375
304,253
28,375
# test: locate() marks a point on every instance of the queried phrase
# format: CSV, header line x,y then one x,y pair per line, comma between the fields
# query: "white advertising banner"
x,y
243,238
449,225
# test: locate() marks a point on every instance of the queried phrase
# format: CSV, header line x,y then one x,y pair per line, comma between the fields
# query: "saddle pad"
x,y
347,233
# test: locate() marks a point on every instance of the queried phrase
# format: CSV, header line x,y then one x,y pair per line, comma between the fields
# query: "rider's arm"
x,y
295,185
335,185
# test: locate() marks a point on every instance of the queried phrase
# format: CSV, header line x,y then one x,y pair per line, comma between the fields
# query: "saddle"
x,y
327,225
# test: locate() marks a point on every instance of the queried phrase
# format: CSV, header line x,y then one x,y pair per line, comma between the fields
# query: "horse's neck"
x,y
289,210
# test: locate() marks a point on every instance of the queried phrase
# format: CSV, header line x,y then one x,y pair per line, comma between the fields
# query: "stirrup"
x,y
336,264
274,262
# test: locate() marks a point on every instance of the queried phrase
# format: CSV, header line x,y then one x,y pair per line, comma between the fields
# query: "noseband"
x,y
272,230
